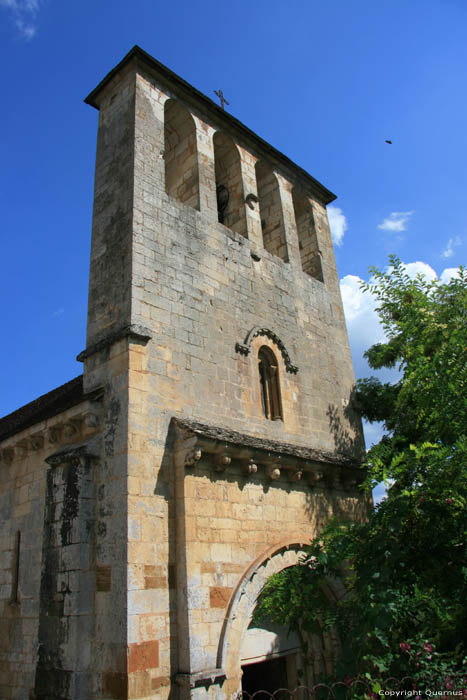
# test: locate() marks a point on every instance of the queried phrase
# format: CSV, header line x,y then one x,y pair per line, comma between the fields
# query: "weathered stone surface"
x,y
219,596
154,495
143,656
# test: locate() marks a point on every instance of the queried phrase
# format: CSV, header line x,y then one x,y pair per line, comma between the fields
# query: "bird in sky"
x,y
387,141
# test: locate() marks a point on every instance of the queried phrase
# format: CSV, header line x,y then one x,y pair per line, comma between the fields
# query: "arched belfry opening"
x,y
270,209
270,385
229,184
307,239
180,154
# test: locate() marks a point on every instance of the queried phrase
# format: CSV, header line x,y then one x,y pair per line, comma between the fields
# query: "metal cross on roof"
x,y
221,97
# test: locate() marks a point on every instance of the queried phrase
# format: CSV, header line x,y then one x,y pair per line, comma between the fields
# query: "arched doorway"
x,y
271,659
274,660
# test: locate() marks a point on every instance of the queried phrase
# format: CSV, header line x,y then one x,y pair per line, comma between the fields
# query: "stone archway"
x,y
242,604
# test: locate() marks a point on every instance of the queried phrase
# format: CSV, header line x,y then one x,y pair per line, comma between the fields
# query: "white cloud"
x,y
396,221
451,244
448,274
420,268
360,311
362,320
24,14
337,224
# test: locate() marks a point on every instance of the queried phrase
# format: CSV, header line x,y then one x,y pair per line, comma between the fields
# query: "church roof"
x,y
190,94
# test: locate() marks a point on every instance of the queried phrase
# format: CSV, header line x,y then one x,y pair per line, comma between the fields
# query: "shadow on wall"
x,y
348,442
313,504
165,488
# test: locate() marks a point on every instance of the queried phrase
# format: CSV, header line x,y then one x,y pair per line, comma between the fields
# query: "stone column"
x,y
290,227
207,169
253,218
66,613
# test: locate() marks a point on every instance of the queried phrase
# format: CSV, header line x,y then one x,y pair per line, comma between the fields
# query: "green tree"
x,y
405,569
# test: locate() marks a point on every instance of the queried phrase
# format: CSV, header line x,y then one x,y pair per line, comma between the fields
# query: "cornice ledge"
x,y
221,438
134,331
69,453
197,678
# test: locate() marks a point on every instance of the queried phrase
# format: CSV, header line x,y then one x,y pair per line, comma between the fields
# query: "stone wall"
x,y
23,484
209,298
166,520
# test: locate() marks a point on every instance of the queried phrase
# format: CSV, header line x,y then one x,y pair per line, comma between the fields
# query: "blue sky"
x,y
326,83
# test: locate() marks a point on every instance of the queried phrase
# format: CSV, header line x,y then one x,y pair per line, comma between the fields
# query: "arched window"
x,y
269,381
229,184
270,209
180,154
307,239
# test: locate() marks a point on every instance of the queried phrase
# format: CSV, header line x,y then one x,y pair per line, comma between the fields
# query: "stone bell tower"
x,y
216,333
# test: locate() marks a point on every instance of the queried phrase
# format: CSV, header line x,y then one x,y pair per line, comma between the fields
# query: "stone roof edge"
x,y
46,406
134,331
137,53
226,435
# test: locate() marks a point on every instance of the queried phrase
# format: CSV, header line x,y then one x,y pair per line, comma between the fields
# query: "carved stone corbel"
x,y
314,478
295,475
192,457
91,420
186,453
250,467
21,449
71,428
53,435
221,462
36,442
273,472
8,454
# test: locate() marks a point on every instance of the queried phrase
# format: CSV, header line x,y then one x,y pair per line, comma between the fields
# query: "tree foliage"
x,y
405,569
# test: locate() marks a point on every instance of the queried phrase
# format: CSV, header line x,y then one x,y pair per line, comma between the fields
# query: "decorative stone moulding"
x,y
249,457
250,467
71,429
91,420
314,477
135,333
245,347
75,454
80,426
273,472
295,475
8,455
36,442
21,449
192,457
221,462
53,435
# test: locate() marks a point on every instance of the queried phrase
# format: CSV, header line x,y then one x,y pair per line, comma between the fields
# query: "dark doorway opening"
x,y
268,675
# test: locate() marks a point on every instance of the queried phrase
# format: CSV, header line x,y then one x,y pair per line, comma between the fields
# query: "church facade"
x,y
211,434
